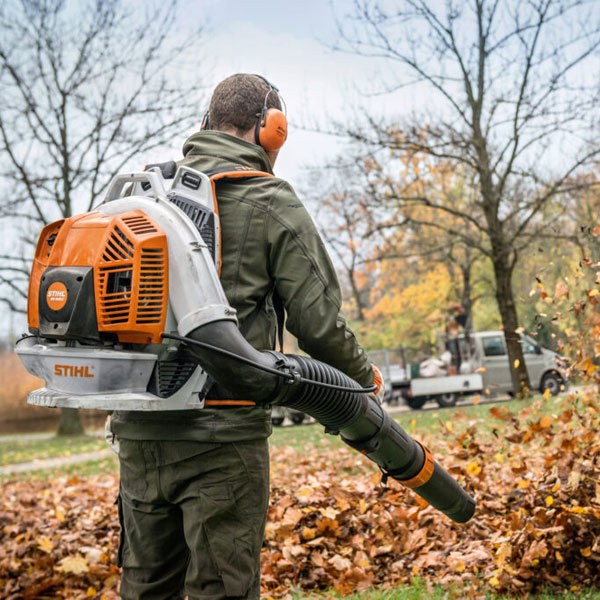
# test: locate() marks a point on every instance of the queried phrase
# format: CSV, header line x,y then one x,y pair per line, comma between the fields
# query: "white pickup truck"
x,y
480,363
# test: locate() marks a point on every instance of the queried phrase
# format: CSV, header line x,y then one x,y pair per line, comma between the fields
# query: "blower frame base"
x,y
118,401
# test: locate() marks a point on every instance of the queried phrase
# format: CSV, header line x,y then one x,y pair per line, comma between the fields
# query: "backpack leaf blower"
x,y
126,312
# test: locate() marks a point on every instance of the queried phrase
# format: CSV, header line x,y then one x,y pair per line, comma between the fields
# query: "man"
x,y
195,485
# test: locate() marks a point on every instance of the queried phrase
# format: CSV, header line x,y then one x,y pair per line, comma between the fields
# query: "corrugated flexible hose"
x,y
342,407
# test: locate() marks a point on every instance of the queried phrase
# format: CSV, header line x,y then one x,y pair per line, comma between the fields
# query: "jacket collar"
x,y
229,148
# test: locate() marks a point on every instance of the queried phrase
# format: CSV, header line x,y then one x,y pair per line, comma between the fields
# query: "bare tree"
x,y
511,99
339,194
86,88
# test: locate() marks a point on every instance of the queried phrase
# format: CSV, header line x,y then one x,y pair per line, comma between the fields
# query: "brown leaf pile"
x,y
538,519
58,539
536,479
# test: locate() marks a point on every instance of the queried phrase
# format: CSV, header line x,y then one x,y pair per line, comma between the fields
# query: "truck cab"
x,y
491,356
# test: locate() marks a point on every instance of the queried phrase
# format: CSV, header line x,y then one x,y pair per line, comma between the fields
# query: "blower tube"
x,y
341,407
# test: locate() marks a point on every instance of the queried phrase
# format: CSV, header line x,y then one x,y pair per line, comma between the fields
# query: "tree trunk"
x,y
508,313
466,300
70,422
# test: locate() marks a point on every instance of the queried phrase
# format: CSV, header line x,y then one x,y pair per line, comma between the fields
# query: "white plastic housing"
x,y
111,379
87,371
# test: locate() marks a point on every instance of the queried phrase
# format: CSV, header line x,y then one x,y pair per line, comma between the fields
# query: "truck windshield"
x,y
493,346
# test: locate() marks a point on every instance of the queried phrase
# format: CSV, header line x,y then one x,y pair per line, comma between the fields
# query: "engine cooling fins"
x,y
201,217
170,375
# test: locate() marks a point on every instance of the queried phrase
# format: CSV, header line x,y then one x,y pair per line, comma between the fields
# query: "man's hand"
x,y
379,393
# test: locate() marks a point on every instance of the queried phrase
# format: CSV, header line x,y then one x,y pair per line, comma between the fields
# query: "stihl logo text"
x,y
73,371
56,296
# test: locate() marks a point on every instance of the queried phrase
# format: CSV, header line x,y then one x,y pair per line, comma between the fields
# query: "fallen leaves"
x,y
537,549
501,413
529,530
562,289
59,539
332,526
73,564
45,544
473,468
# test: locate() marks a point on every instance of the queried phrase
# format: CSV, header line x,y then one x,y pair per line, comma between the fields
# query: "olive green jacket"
x,y
268,239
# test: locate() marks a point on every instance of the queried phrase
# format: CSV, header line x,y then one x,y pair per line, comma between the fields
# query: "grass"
x,y
108,464
19,451
418,590
422,422
299,436
417,423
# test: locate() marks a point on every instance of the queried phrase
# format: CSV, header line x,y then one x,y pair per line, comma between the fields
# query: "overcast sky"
x,y
286,42
289,43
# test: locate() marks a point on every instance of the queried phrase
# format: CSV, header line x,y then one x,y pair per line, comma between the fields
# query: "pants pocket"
x,y
134,475
252,499
232,546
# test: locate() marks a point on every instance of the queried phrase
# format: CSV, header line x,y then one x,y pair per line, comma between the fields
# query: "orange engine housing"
x,y
129,248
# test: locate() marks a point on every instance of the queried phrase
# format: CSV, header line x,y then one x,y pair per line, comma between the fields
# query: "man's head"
x,y
237,104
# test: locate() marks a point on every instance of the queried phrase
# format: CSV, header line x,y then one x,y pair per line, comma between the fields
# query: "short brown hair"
x,y
238,100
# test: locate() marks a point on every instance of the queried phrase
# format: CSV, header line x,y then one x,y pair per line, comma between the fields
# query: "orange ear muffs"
x,y
271,129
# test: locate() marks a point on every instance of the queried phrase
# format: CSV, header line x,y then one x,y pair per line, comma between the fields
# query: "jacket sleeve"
x,y
308,285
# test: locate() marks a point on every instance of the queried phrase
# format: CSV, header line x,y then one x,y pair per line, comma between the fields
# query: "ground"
x,y
534,467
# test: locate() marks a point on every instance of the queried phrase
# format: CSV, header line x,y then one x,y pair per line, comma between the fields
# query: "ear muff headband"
x,y
205,125
271,124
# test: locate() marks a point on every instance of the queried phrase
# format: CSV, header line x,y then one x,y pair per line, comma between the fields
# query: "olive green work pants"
x,y
192,518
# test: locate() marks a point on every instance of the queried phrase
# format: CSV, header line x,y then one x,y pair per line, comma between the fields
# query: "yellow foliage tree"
x,y
404,312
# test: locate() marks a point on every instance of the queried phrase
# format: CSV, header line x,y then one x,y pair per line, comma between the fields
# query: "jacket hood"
x,y
228,149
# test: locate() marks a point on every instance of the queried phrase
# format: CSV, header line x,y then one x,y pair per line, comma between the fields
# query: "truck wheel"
x,y
552,382
297,418
277,421
416,402
446,400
